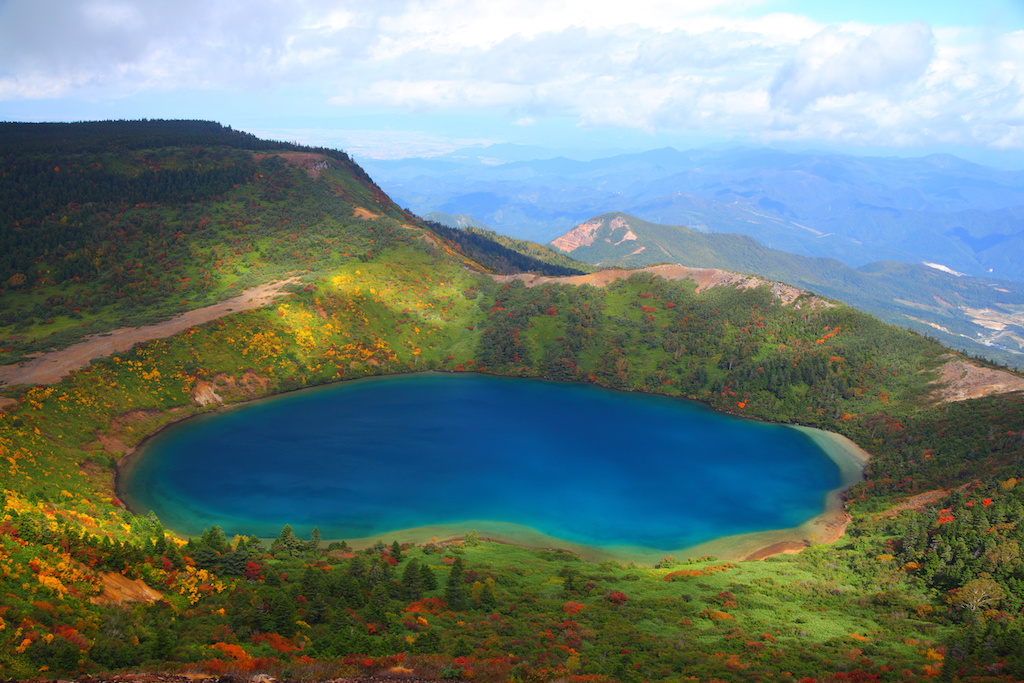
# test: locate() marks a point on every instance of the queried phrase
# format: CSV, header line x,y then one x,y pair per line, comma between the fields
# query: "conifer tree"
x,y
412,581
378,605
455,591
428,578
214,538
287,542
282,614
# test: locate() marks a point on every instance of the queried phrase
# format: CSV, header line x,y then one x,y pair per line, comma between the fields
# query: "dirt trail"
x,y
704,277
921,501
54,366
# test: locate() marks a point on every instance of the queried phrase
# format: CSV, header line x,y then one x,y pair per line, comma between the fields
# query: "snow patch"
x,y
944,269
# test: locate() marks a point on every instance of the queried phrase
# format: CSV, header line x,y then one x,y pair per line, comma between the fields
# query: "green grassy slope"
x,y
934,589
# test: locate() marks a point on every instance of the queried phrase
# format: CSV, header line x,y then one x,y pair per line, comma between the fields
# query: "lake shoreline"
x,y
825,527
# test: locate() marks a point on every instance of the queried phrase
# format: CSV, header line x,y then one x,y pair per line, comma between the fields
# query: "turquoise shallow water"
x,y
575,462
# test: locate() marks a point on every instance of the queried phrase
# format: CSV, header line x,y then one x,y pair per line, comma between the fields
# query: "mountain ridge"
x,y
861,209
979,315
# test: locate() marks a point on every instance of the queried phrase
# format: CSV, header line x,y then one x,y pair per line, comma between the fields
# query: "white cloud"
x,y
121,46
701,66
838,61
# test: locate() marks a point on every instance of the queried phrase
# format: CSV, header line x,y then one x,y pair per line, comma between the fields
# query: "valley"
x,y
857,210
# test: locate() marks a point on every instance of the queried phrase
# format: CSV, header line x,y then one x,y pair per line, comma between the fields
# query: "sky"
x,y
395,78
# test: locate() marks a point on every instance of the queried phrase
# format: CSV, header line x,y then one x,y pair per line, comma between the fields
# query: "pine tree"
x,y
455,592
412,581
214,538
378,605
428,578
287,542
489,596
282,614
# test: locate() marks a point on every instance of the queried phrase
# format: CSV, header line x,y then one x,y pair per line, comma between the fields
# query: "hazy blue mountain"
x,y
938,209
460,220
982,316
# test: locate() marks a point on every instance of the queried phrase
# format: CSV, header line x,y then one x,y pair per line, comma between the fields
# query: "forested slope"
x,y
933,590
979,316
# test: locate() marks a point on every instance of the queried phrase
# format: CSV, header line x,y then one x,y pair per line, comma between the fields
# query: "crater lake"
x,y
413,456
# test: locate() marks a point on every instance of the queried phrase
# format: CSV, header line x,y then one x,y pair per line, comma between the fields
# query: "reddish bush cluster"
x,y
617,597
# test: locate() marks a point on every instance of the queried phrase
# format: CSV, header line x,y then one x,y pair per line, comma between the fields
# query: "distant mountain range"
x,y
982,316
938,209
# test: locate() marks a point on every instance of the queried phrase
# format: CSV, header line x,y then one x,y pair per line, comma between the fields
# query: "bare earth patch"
x,y
917,503
50,368
365,214
828,529
310,162
119,589
781,548
960,380
580,236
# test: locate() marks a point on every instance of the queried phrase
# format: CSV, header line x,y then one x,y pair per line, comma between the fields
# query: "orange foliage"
x,y
715,615
234,651
573,607
427,605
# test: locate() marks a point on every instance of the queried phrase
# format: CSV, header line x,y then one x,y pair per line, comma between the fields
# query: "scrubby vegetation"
x,y
933,589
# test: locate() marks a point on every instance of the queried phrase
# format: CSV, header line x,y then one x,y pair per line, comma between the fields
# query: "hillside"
x,y
907,593
857,210
980,316
113,224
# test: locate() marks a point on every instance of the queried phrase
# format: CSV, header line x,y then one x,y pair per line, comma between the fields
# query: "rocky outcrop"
x,y
205,394
224,387
585,234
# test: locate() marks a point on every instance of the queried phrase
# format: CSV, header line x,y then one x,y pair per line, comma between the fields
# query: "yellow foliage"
x,y
53,583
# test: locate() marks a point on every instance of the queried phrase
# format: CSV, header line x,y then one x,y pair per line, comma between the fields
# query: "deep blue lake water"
x,y
573,461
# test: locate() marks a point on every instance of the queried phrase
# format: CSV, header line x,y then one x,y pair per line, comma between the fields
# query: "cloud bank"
x,y
705,66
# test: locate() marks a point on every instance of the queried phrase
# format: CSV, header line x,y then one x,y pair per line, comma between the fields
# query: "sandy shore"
x,y
50,368
827,527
